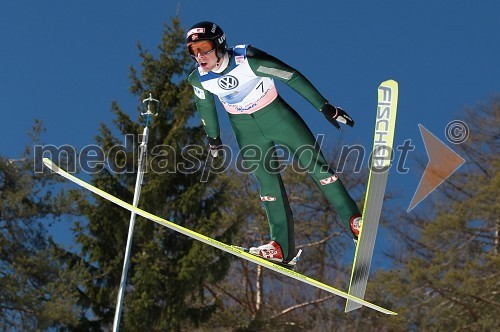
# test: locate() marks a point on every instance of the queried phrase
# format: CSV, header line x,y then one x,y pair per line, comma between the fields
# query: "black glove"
x,y
215,146
335,115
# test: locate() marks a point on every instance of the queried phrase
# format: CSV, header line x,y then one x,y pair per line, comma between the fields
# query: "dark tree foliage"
x,y
168,270
39,284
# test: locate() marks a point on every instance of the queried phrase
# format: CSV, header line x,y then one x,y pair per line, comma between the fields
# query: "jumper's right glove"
x,y
335,115
215,146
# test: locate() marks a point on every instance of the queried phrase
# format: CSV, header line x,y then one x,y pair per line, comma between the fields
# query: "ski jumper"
x,y
261,119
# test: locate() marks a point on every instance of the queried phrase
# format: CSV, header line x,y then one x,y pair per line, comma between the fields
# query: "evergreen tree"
x,y
168,271
39,283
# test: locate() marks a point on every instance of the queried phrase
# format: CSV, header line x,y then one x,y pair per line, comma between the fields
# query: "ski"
x,y
212,242
379,163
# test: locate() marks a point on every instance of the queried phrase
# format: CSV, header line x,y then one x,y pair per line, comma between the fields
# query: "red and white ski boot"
x,y
356,222
271,251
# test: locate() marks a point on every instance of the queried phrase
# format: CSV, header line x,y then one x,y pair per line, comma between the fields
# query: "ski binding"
x,y
288,264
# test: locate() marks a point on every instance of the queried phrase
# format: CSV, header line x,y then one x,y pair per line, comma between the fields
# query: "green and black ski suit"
x,y
260,119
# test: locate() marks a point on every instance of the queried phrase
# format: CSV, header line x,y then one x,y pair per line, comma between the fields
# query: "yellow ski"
x,y
380,163
214,243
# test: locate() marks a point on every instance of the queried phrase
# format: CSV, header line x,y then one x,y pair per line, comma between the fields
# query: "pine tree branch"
x,y
480,298
447,295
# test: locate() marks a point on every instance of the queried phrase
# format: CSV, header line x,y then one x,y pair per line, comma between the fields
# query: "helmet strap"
x,y
221,66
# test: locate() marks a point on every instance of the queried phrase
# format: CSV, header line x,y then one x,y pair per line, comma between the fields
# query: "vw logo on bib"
x,y
228,82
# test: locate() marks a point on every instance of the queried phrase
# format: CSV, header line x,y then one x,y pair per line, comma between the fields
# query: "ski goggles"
x,y
203,47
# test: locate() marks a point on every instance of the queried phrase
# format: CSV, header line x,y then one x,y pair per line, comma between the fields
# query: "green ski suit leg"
x,y
278,123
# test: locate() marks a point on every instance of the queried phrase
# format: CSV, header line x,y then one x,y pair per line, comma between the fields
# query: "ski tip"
x,y
50,164
47,162
392,83
391,313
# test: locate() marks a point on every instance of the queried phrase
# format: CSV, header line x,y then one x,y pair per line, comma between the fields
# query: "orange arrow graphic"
x,y
443,162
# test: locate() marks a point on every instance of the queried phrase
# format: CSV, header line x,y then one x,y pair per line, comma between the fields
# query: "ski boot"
x,y
356,222
272,252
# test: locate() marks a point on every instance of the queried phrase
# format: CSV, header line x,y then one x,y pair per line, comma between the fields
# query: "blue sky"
x,y
64,61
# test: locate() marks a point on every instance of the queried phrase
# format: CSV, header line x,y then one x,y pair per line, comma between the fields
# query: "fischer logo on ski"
x,y
380,163
382,148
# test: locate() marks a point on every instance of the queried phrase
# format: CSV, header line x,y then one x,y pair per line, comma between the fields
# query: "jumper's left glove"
x,y
335,115
215,146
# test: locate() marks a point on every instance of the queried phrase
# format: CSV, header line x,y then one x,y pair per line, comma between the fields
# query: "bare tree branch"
x,y
301,305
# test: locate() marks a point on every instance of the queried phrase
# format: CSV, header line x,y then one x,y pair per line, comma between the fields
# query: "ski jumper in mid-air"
x,y
242,78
